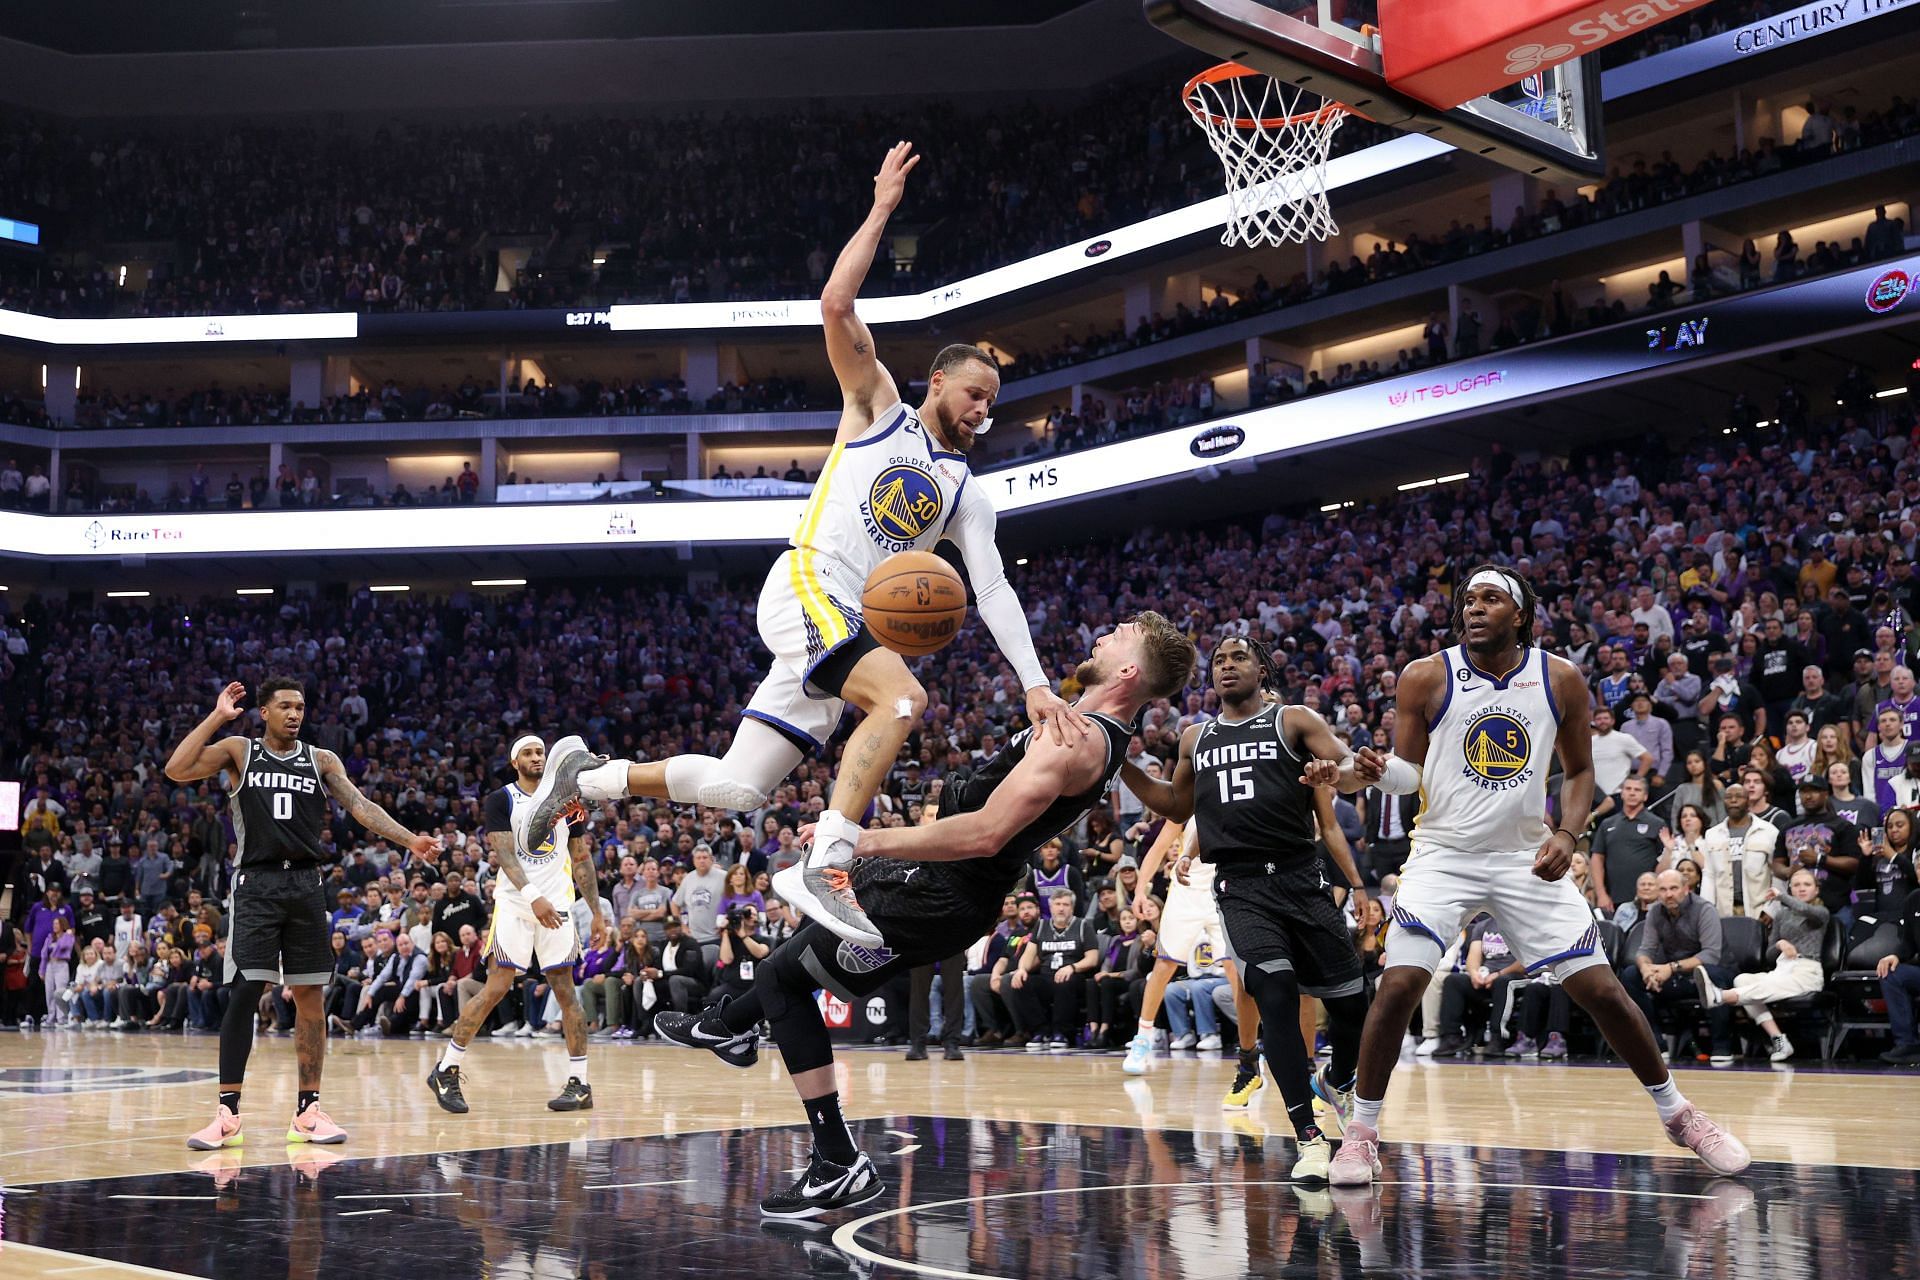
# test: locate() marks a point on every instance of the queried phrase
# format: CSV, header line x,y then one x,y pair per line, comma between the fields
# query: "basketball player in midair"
x,y
896,480
1476,733
1247,779
933,890
277,928
530,923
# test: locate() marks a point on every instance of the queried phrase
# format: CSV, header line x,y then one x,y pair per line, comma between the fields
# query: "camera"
x,y
739,918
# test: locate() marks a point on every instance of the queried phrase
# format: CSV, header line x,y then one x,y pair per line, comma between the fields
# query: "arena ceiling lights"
x,y
1827,307
1733,47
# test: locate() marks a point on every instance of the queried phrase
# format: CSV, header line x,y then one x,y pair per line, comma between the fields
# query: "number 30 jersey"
x,y
1247,798
1484,786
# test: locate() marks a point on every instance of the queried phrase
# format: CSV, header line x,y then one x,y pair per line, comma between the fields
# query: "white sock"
x,y
1146,1028
577,1068
604,782
1666,1096
1367,1113
451,1055
832,826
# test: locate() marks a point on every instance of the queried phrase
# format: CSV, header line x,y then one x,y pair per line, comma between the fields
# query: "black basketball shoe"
x,y
825,1187
445,1083
706,1031
577,1096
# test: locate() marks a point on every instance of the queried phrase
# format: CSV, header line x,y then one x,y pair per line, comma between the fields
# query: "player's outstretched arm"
x,y
973,530
865,385
1049,770
1171,798
198,755
333,775
1339,850
1330,762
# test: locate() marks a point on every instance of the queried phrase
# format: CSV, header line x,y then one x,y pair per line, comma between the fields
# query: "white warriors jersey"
x,y
1484,785
893,489
549,867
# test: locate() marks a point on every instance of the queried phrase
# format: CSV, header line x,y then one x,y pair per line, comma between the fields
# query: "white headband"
x,y
523,742
1495,578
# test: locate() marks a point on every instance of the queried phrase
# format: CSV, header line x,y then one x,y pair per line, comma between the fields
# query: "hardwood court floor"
x,y
1006,1164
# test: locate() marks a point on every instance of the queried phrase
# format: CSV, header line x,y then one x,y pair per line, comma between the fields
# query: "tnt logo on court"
x,y
904,502
1499,749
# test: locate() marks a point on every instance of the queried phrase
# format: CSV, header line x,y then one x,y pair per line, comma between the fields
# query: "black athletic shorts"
x,y
923,910
1288,922
277,927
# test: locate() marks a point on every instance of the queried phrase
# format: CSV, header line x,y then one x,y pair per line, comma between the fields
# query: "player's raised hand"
x,y
891,182
1320,773
1555,856
230,699
1047,709
423,844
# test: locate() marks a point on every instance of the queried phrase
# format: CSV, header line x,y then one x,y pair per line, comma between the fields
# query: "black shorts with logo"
x,y
1287,921
277,926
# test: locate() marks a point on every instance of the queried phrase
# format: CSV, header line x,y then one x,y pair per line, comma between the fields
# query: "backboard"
x,y
1547,123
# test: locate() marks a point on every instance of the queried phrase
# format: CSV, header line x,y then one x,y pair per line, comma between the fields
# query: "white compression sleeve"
x,y
973,532
1400,778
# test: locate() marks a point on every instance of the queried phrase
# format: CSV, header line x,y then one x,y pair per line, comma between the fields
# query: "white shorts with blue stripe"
x,y
1547,922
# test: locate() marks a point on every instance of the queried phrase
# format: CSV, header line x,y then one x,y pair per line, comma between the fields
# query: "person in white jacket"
x,y
1738,873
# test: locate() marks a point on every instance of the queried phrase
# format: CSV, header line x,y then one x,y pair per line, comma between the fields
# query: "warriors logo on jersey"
x,y
901,504
1498,749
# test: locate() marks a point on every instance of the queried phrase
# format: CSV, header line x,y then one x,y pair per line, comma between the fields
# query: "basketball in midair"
x,y
914,603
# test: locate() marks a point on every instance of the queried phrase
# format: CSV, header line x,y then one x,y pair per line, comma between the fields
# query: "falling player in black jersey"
x,y
932,891
277,916
1248,780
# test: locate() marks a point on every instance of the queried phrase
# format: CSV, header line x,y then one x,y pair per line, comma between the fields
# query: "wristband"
x,y
1562,831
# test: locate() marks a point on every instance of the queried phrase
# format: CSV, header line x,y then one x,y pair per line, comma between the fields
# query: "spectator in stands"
x,y
1193,1017
1737,858
687,973
1627,845
1698,786
1899,975
1890,863
1799,928
1682,934
1615,756
1060,961
1825,843
1479,992
1654,735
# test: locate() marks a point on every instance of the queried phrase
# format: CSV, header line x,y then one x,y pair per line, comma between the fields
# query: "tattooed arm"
x,y
504,852
364,811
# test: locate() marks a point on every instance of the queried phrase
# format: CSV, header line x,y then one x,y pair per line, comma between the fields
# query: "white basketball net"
x,y
1272,139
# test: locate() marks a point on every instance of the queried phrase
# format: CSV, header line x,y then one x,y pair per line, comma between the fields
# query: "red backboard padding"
x,y
1446,52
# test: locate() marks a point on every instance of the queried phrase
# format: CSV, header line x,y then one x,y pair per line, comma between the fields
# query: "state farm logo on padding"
x,y
1888,291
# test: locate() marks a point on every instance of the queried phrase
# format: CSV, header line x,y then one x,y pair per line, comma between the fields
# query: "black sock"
x,y
741,1014
307,1098
830,1136
230,1099
1250,1060
1303,1126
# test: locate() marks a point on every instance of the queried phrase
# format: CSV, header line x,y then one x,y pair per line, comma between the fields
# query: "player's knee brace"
x,y
785,986
1276,992
705,780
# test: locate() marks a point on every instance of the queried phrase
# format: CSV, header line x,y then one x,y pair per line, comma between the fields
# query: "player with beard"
x,y
1248,780
896,480
1475,735
932,891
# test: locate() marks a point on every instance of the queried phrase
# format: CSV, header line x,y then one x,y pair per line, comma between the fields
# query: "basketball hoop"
x,y
1273,139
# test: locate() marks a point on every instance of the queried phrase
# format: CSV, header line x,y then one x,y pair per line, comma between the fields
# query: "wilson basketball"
x,y
914,603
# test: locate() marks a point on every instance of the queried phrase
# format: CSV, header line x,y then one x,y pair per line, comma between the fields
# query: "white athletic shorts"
x,y
1547,922
516,939
1189,913
809,608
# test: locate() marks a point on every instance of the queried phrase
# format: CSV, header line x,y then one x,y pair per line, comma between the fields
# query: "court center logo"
x,y
1499,750
903,502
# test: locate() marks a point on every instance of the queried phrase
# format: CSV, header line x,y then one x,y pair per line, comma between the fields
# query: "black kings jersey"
x,y
279,808
1247,799
994,877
